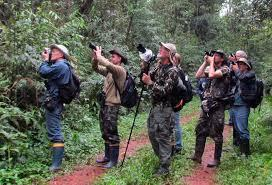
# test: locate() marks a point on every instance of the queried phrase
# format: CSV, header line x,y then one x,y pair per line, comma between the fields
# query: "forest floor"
x,y
202,175
88,174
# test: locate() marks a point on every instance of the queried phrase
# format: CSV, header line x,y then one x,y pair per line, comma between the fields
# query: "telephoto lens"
x,y
141,48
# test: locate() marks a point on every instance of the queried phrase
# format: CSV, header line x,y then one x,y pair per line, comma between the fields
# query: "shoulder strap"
x,y
116,85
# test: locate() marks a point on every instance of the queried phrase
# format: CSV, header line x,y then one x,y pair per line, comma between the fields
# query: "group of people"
x,y
164,130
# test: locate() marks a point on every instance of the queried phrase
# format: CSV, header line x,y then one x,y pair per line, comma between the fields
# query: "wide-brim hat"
x,y
118,52
245,61
63,49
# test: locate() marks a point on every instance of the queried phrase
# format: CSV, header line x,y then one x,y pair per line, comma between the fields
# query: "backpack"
x,y
188,96
129,97
253,95
229,97
183,92
71,90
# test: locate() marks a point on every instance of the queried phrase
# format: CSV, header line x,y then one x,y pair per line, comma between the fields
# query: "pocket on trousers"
x,y
50,104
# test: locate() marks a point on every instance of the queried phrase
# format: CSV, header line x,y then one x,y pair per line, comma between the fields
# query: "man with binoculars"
x,y
211,120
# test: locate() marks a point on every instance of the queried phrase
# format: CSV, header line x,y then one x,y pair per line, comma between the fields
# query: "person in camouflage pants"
x,y
161,80
211,121
115,75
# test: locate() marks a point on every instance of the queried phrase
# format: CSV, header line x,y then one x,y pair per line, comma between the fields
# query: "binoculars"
x,y
210,53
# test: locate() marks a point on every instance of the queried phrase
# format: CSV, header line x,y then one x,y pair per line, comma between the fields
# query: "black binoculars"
x,y
210,53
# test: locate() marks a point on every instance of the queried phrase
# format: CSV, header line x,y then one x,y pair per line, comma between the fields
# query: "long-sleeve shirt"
x,y
111,71
244,80
57,74
164,82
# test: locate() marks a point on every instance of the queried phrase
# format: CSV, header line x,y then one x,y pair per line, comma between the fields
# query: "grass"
x,y
140,168
82,143
257,169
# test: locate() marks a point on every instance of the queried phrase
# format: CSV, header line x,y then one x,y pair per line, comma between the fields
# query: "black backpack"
x,y
179,93
188,96
253,95
129,97
71,90
229,96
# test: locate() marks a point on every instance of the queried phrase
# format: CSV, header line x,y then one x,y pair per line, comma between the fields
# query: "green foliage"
x,y
29,26
14,129
257,168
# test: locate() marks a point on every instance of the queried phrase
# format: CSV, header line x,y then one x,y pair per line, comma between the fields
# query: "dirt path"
x,y
87,174
203,175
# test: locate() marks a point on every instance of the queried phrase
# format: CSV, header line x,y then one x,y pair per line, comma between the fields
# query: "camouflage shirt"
x,y
218,87
165,78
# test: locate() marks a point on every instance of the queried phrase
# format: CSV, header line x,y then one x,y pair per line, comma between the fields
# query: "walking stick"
x,y
144,69
136,112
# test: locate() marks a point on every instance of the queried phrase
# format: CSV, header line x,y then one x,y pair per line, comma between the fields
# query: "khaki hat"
x,y
172,49
244,60
220,52
118,52
63,49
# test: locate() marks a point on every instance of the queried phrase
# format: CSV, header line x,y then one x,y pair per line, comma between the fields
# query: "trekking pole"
x,y
136,112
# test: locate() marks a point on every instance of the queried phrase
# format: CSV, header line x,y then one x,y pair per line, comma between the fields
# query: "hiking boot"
x,y
106,158
103,160
114,154
58,153
178,150
244,147
195,159
213,163
162,171
175,151
217,155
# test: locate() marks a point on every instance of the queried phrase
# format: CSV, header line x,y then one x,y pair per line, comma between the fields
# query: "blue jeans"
x,y
240,117
53,123
178,130
230,117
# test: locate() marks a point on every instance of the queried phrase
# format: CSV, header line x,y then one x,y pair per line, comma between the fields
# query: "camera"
x,y
146,54
47,50
92,46
210,53
147,58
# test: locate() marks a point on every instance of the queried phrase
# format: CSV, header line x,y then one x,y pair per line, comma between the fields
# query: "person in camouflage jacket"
x,y
162,80
211,120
